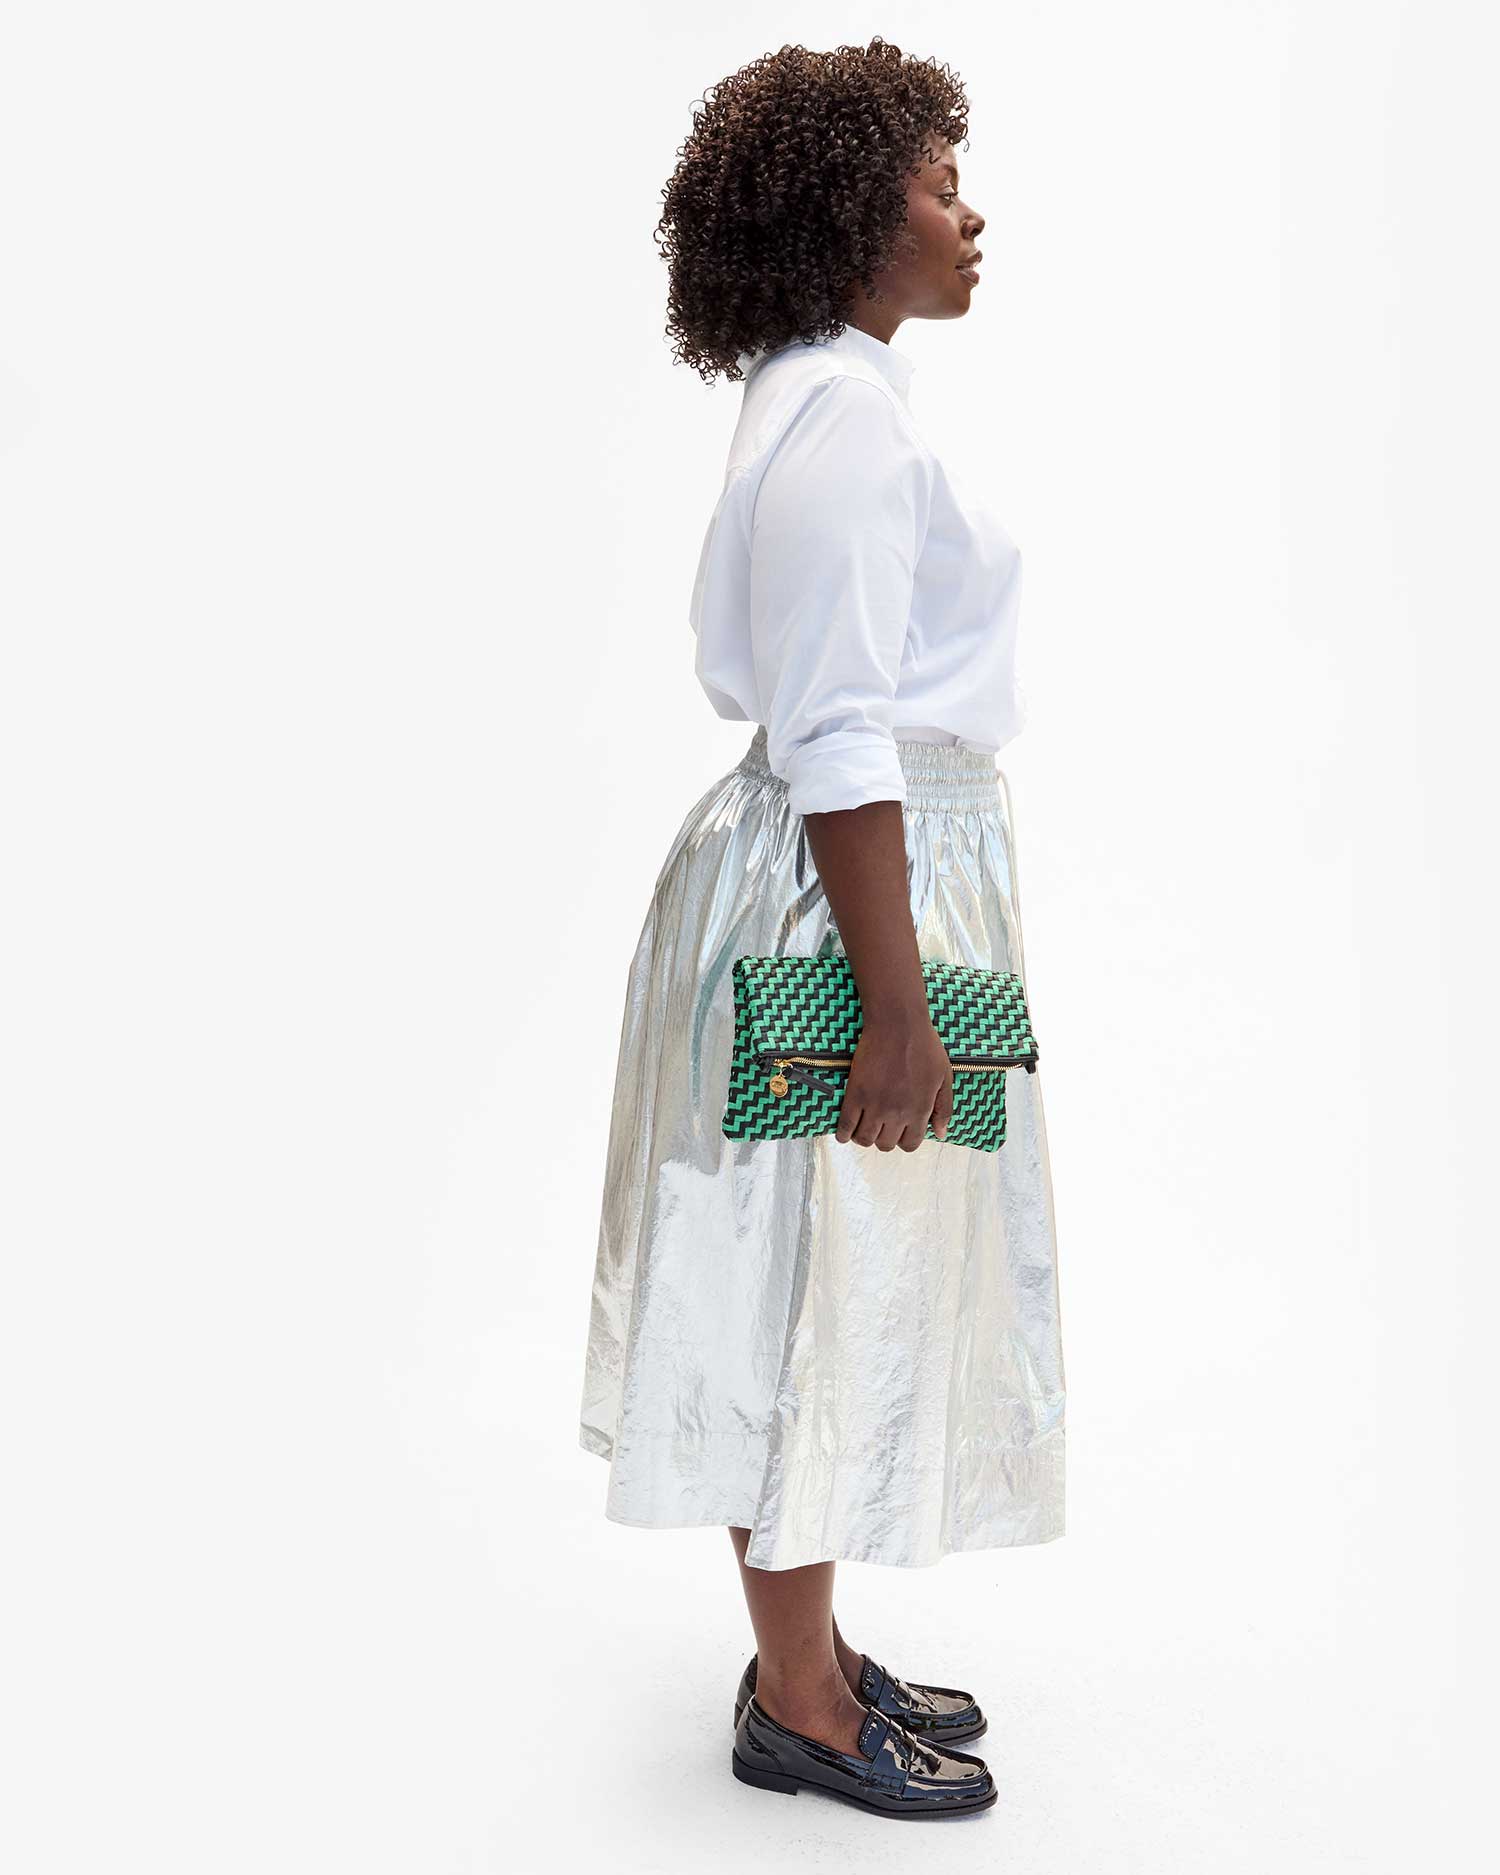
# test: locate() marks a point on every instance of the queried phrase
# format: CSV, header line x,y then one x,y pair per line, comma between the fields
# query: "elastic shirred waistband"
x,y
937,774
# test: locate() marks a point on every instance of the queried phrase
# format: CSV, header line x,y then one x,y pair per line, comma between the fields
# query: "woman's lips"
x,y
971,274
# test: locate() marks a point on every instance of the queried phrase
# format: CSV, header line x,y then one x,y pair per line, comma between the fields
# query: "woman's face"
x,y
929,282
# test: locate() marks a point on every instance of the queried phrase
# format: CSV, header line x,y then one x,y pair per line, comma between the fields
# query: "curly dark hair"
x,y
790,187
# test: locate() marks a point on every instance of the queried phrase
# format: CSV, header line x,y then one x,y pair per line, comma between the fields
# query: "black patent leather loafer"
x,y
894,1773
939,1715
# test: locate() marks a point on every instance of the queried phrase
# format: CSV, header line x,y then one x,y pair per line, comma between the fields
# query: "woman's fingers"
x,y
866,1126
942,1108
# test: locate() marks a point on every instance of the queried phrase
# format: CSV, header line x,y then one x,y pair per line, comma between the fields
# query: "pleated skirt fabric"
x,y
855,1354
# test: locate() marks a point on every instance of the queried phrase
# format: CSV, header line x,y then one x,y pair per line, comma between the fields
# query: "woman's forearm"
x,y
900,1079
860,853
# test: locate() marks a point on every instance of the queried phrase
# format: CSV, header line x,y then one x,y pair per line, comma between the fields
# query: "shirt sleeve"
x,y
835,531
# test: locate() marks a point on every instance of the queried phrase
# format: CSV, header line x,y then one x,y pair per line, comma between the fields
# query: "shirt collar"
x,y
894,366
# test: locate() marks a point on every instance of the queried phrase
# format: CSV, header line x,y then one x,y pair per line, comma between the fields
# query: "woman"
x,y
836,1352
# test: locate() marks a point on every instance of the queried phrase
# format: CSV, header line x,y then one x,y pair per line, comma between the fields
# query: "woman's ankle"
x,y
851,1663
823,1708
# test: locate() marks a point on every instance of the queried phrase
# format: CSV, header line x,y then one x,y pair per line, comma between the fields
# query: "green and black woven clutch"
x,y
796,1022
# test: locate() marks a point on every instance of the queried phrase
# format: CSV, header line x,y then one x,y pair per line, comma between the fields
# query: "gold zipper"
x,y
780,1084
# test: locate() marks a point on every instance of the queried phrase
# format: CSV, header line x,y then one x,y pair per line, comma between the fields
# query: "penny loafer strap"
x,y
872,1681
890,1764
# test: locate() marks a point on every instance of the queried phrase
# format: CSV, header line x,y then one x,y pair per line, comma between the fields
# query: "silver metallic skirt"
x,y
854,1354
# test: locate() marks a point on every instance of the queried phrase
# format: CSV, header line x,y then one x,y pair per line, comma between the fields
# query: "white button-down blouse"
x,y
846,594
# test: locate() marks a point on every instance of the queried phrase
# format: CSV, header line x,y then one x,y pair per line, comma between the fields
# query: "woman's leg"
x,y
851,1663
799,1676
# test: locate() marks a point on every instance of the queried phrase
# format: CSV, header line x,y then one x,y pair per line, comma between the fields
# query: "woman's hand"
x,y
900,1079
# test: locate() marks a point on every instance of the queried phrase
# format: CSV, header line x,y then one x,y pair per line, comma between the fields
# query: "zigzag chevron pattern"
x,y
810,1006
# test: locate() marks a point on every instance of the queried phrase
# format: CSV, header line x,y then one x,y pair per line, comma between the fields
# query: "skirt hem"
x,y
1049,1532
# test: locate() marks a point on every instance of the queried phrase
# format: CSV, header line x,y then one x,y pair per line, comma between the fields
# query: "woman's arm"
x,y
836,528
901,1077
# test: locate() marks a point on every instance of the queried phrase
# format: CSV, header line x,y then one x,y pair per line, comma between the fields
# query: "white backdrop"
x,y
350,505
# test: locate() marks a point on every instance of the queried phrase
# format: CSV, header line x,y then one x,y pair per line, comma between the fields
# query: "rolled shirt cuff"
x,y
845,768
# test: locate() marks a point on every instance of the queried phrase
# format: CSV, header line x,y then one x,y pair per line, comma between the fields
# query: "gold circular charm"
x,y
779,1085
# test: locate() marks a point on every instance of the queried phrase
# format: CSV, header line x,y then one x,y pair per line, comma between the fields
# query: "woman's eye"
x,y
949,195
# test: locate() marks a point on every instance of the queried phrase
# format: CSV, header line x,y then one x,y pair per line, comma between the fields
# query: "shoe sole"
x,y
923,1737
789,1786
